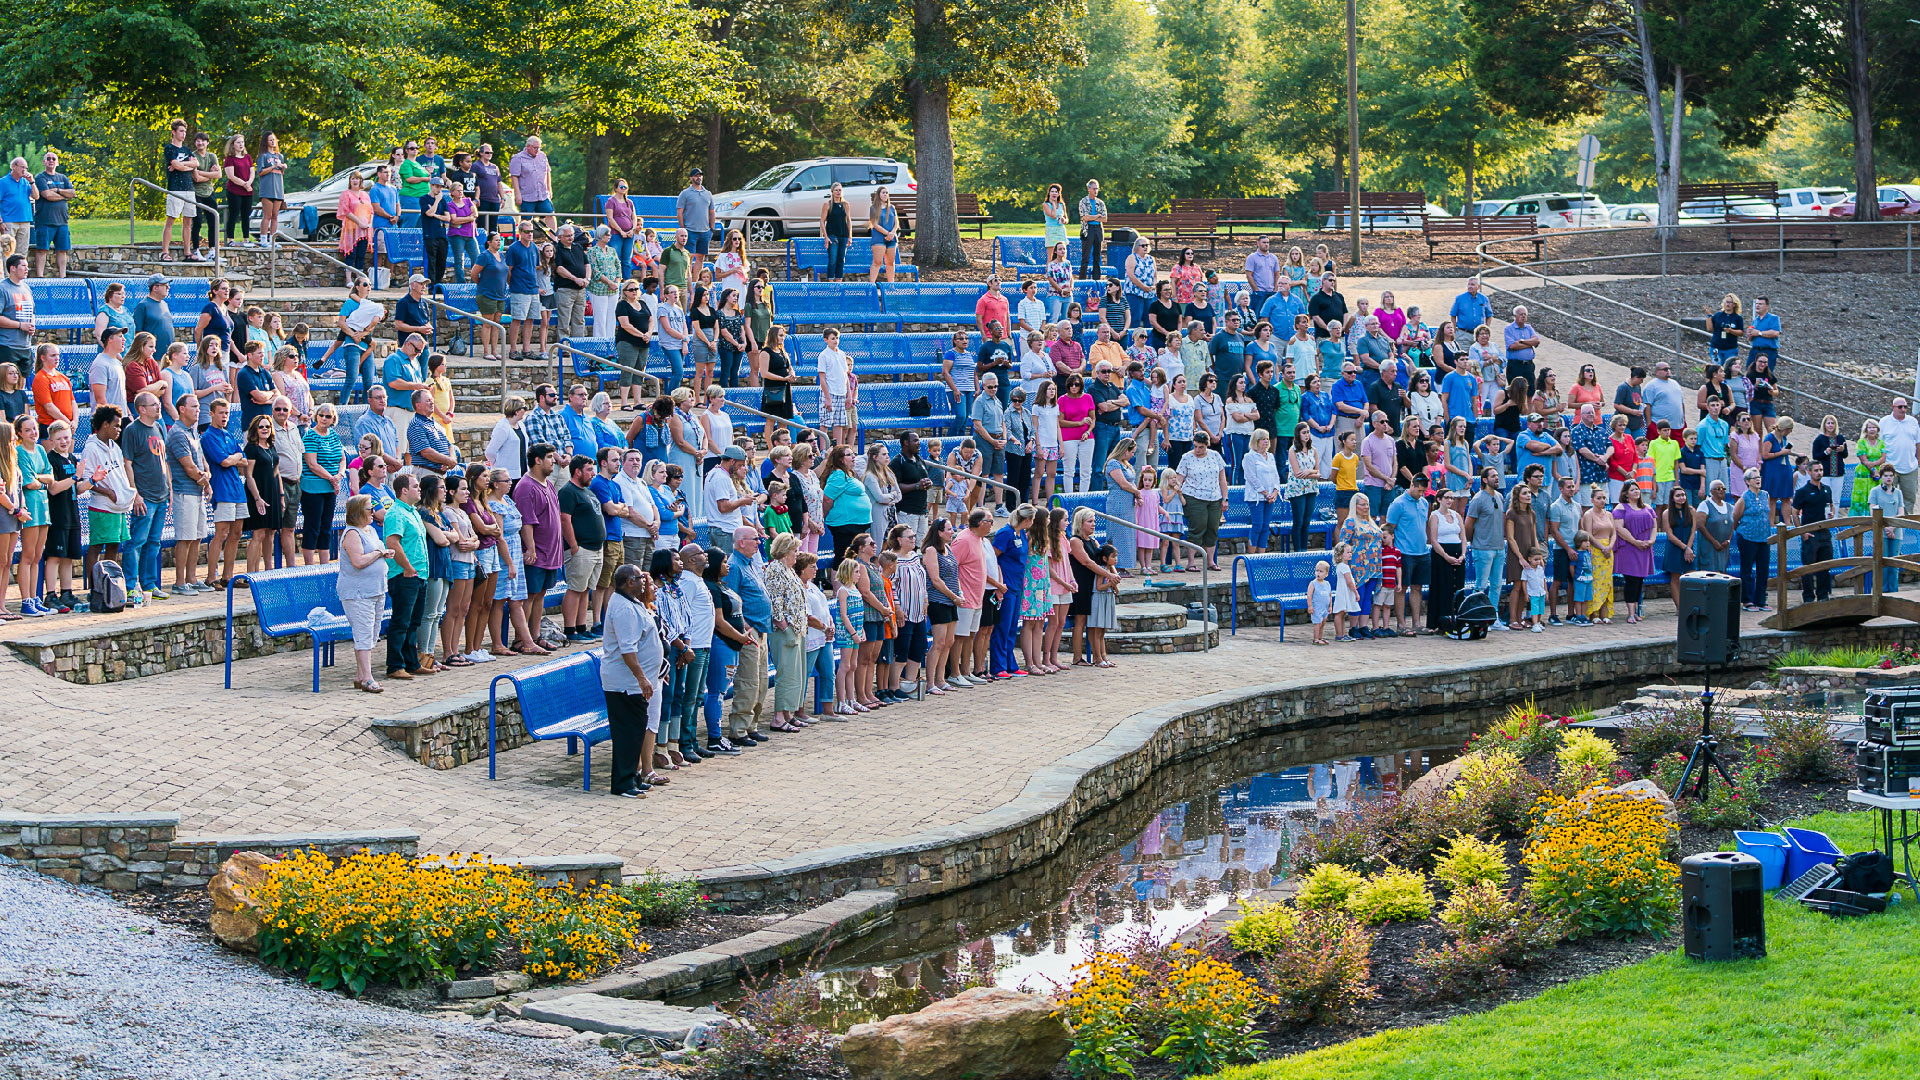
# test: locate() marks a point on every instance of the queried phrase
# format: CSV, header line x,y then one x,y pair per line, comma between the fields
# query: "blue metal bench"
x,y
884,406
1028,254
283,599
937,303
405,246
1277,578
809,254
61,304
882,353
184,299
559,698
815,304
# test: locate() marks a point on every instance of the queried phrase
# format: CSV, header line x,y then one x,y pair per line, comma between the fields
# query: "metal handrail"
x,y
137,182
1680,329
1206,595
825,437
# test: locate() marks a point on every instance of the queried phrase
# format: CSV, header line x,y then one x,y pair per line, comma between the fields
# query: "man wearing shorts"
x,y
176,160
694,212
1563,524
53,196
540,528
16,204
103,466
530,176
192,486
523,292
584,531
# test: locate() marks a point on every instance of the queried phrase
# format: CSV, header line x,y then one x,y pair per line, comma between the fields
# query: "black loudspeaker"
x,y
1709,608
1722,906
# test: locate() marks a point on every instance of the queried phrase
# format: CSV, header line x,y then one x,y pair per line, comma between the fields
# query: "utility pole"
x,y
1353,129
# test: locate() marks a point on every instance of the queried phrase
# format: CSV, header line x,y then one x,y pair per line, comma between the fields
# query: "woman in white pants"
x,y
1076,436
362,587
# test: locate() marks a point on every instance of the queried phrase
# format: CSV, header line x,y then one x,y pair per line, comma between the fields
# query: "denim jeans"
x,y
1138,306
678,362
1260,511
1303,518
143,545
462,253
714,696
963,413
1755,559
820,666
836,256
1104,438
729,367
1236,452
624,245
1057,307
1488,568
689,690
350,366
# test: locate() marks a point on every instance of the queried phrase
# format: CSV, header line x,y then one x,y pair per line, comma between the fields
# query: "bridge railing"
x,y
1869,557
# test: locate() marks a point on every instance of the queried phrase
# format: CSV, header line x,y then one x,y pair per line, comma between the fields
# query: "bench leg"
x,y
586,768
316,666
573,746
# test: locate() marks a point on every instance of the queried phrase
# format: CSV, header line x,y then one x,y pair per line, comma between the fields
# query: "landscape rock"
x,y
1648,789
235,918
511,982
986,1033
532,1029
1437,779
622,1016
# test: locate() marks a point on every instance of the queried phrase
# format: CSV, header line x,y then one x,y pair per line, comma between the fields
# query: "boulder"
x,y
1647,789
987,1033
1437,779
235,918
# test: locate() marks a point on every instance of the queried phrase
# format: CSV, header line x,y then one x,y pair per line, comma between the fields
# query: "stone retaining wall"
x,y
1032,827
100,652
123,852
453,731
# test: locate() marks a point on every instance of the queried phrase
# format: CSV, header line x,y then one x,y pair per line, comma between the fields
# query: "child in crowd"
x,y
1346,593
959,488
774,518
1484,360
1645,472
1346,476
1146,514
849,630
1173,521
1534,577
820,635
1320,600
1106,596
63,517
1582,574
298,339
1384,607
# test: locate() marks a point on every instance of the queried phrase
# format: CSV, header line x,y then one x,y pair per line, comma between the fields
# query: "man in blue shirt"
x,y
1280,309
403,372
1535,446
1522,339
1594,444
1461,388
412,313
228,512
745,570
1470,309
376,421
1713,433
1763,337
1406,528
385,196
16,204
1229,352
579,421
53,195
523,292
428,448
1350,402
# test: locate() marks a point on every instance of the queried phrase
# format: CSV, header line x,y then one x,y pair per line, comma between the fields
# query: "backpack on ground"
x,y
106,587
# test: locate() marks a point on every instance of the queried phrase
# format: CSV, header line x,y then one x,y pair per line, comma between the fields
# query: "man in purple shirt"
x,y
1263,270
1379,457
531,177
540,527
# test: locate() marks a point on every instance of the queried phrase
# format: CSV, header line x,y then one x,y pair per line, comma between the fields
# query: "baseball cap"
x,y
1536,418
734,453
158,279
697,171
419,278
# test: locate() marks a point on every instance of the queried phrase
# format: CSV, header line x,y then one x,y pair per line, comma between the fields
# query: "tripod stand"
x,y
1705,748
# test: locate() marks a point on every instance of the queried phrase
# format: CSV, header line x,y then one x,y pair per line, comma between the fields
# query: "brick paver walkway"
x,y
270,757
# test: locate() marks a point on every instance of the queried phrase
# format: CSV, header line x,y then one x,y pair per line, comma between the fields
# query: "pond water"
x,y
1198,835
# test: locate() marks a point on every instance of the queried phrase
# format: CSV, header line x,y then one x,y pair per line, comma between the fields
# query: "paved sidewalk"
x,y
268,756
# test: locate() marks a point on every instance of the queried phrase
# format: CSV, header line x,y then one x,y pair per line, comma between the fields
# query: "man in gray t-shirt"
x,y
1487,526
694,211
16,315
152,315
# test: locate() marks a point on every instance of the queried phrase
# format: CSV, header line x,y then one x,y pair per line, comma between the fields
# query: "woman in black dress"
x,y
266,502
1080,557
776,379
1164,316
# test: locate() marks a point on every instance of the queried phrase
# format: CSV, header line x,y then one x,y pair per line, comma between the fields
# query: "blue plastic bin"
x,y
1808,849
1773,852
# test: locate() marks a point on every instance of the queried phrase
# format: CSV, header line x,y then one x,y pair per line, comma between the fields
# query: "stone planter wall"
x,y
130,649
122,852
1028,830
452,732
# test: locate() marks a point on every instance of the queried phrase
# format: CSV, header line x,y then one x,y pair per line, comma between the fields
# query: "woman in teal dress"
x,y
1122,489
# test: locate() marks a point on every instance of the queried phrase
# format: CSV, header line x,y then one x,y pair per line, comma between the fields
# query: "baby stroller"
x,y
1472,615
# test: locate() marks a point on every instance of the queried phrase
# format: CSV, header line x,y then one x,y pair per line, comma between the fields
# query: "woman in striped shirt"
x,y
320,484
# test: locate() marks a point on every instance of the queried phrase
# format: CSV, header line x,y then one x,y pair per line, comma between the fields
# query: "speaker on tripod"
x,y
1709,609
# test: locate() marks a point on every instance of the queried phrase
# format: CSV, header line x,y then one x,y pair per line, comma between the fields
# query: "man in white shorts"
x,y
192,484
177,161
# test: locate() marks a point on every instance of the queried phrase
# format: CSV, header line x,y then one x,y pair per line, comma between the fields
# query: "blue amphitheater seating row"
x,y
808,254
70,303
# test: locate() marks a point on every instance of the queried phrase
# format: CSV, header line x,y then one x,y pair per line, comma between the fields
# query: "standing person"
x,y
270,178
1139,283
266,509
1076,436
406,540
237,166
1407,528
583,530
541,538
571,276
1053,216
530,178
1486,534
1814,503
206,171
1754,524
787,599
192,498
354,212
143,443
1634,557
322,479
836,227
838,388
693,211
523,293
1776,466
746,577
1563,524
362,586
1093,223
1203,494
1900,433
1522,340
52,195
1123,494
883,227
36,476
1447,565
633,675
1302,490
176,160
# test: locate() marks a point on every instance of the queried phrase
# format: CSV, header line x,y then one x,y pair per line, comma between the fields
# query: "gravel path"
x,y
90,989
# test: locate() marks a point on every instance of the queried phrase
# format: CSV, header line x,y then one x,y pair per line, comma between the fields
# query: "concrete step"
x,y
1185,639
1139,618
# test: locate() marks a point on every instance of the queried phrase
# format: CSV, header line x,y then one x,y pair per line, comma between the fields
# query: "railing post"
x,y
1780,573
1783,243
1663,252
131,235
1879,553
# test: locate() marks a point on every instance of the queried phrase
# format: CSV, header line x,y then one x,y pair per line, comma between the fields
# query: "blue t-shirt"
x,y
608,492
227,485
523,261
386,197
1350,393
249,380
1460,388
580,429
1713,433
399,367
1769,321
493,276
414,313
51,212
16,199
1408,519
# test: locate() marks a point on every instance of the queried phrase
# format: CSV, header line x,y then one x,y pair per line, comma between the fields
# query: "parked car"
x,y
1557,210
324,197
1646,213
1384,221
1896,200
786,199
1722,210
1483,208
1809,201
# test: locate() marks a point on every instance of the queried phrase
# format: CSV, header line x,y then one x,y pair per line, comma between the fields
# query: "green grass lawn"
x,y
113,231
1833,998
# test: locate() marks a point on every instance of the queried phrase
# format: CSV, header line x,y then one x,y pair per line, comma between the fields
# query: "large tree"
x,y
1296,83
951,46
1860,58
592,68
1119,123
1203,43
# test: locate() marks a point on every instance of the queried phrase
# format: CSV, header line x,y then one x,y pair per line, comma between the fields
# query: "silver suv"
x,y
786,200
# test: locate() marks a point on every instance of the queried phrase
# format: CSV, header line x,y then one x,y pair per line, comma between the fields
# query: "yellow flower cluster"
x,y
1199,1011
388,918
1599,859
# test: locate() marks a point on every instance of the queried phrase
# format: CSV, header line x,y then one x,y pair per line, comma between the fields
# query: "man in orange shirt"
x,y
991,307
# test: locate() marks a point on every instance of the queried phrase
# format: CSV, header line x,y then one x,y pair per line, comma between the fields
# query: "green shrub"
x,y
1395,896
663,901
1459,970
1321,972
1262,927
776,1038
1478,910
1429,826
1585,749
1524,730
1736,807
1800,746
1495,934
1496,789
1471,861
1327,887
1647,737
1362,840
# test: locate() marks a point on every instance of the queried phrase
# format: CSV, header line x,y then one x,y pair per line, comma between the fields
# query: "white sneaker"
x,y
1538,629
481,656
1501,626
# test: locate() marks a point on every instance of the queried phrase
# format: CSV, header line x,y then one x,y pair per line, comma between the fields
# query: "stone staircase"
x,y
1159,628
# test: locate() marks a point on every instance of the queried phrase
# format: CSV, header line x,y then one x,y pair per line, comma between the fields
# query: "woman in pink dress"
x,y
355,214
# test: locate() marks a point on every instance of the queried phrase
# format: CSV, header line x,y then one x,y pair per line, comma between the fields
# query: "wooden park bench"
x,y
1262,214
1786,235
1374,206
1466,234
1180,225
966,210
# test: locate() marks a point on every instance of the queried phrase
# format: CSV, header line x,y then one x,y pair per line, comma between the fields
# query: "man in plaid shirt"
x,y
545,424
